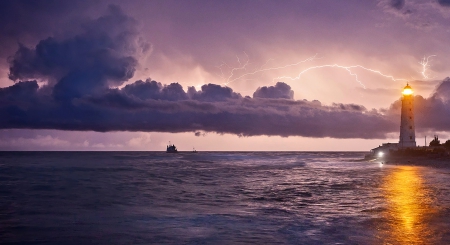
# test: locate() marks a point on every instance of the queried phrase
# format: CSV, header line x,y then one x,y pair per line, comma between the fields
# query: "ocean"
x,y
219,198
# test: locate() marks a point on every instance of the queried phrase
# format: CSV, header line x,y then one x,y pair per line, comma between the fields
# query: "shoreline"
x,y
436,162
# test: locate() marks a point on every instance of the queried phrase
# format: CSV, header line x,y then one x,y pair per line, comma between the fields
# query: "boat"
x,y
194,150
171,148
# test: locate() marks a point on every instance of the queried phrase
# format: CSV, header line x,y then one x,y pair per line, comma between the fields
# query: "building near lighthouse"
x,y
407,139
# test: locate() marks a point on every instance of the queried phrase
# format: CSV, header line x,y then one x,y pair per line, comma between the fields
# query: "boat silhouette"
x,y
171,148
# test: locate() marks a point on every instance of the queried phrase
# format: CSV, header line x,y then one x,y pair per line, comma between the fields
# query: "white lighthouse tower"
x,y
407,128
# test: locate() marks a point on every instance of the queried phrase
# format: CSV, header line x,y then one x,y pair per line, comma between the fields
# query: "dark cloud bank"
x,y
445,3
82,72
28,21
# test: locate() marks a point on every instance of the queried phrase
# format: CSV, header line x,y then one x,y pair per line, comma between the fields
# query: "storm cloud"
x,y
152,106
27,21
101,56
117,110
397,4
155,90
434,111
444,2
392,4
279,91
84,74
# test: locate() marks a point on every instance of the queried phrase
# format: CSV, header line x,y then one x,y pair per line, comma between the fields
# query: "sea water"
x,y
219,198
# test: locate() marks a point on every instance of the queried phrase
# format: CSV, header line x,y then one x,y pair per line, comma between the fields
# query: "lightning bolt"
x,y
234,69
425,65
261,69
347,68
243,66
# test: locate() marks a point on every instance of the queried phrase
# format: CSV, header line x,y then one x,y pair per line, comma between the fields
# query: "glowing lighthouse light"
x,y
407,90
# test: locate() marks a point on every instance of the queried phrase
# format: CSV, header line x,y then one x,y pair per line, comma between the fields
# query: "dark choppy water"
x,y
219,198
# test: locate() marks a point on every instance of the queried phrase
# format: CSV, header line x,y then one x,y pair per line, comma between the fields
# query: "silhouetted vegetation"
x,y
435,141
447,144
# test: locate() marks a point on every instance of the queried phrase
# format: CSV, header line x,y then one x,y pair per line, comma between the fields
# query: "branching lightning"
x,y
243,66
350,69
261,69
425,65
234,69
347,68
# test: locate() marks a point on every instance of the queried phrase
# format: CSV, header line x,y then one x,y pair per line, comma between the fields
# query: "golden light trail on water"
x,y
409,207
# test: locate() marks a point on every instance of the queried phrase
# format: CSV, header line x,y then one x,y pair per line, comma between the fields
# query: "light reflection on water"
x,y
409,207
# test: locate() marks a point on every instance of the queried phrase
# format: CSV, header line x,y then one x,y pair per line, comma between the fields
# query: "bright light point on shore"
x,y
380,154
407,91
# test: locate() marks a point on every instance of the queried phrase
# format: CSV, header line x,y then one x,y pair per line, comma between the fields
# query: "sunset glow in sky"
x,y
220,75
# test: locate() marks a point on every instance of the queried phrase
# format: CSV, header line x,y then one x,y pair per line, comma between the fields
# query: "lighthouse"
x,y
407,128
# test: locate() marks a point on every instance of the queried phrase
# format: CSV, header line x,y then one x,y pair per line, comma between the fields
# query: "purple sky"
x,y
220,75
